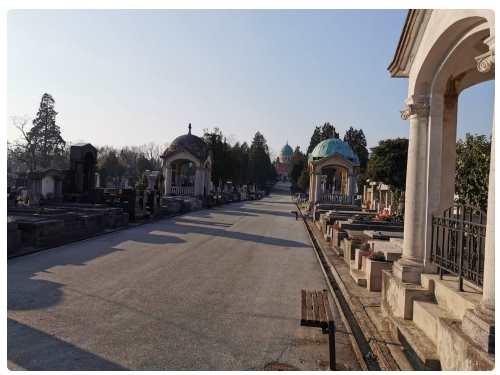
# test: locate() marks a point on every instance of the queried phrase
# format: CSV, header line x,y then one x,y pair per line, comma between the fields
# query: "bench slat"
x,y
329,316
308,306
304,308
315,306
322,313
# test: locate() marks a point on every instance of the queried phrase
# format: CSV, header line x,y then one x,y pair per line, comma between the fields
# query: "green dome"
x,y
332,146
286,150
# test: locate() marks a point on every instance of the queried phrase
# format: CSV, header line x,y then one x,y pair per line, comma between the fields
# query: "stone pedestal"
x,y
408,271
480,327
397,296
458,352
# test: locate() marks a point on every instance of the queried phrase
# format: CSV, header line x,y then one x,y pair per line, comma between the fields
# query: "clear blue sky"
x,y
132,77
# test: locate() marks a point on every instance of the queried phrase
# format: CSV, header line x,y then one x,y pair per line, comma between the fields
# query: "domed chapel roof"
x,y
190,143
332,146
286,150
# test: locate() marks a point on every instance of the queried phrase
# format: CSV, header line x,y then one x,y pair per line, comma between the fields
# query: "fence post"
x,y
460,249
331,342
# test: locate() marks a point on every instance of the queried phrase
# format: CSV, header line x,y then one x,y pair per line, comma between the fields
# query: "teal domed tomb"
x,y
286,151
332,146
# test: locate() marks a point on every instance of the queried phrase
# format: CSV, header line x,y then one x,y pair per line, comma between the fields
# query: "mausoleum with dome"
x,y
187,166
284,162
333,169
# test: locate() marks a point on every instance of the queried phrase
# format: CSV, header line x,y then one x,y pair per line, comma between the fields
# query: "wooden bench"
x,y
316,312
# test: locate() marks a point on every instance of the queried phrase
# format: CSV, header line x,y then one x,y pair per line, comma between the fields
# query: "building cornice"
x,y
413,31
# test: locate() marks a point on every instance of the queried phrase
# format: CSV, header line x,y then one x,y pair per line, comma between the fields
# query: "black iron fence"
x,y
457,243
335,198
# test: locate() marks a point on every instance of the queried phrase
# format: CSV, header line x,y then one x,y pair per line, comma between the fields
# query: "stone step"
x,y
419,349
426,315
447,295
359,277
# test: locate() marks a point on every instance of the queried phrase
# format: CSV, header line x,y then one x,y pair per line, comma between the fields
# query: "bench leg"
x,y
331,343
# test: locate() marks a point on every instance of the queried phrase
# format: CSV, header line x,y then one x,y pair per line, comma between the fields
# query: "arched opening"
x,y
183,177
334,179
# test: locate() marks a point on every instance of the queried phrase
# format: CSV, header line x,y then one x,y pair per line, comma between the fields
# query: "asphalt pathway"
x,y
216,289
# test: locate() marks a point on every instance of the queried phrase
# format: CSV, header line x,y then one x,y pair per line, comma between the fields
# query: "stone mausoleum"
x,y
284,162
333,168
187,167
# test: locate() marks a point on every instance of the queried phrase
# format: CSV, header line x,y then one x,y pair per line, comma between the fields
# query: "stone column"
x,y
197,182
311,184
352,186
449,151
379,197
97,179
410,266
168,179
441,159
479,323
317,187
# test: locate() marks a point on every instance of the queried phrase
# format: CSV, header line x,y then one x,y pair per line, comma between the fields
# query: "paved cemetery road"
x,y
211,290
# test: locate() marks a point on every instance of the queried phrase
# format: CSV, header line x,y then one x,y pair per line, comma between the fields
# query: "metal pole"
x,y
331,342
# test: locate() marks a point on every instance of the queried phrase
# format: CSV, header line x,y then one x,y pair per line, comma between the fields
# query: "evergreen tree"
x,y
261,169
357,140
303,181
316,138
328,131
215,141
298,163
387,163
45,135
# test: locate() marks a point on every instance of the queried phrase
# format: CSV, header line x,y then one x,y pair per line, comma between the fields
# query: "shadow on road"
x,y
69,357
26,292
180,228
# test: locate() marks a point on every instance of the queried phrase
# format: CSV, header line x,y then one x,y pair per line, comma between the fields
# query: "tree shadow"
x,y
257,238
35,350
26,292
256,212
233,212
202,222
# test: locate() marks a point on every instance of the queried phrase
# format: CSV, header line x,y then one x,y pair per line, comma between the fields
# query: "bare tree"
x,y
24,149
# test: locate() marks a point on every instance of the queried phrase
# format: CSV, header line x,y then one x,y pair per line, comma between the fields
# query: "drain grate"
x,y
277,366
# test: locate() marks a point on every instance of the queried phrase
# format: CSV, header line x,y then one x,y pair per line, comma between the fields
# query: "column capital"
x,y
486,61
416,105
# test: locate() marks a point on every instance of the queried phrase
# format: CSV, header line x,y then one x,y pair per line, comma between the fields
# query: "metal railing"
x,y
457,243
335,198
182,190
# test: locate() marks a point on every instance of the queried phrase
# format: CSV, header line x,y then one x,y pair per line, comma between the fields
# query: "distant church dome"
x,y
332,146
287,151
190,143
